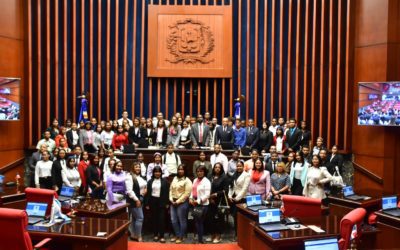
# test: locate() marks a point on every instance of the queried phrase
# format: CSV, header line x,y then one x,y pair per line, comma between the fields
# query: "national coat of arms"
x,y
190,41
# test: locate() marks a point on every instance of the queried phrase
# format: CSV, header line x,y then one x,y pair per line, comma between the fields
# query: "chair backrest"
x,y
355,217
41,195
13,233
300,206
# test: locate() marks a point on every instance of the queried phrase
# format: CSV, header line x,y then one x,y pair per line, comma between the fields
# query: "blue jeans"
x,y
179,216
136,221
199,222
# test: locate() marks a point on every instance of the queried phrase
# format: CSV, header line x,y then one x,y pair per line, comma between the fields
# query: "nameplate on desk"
x,y
316,229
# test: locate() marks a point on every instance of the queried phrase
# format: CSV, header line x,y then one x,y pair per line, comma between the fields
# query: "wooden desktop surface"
x,y
251,237
390,231
97,209
294,239
81,233
338,204
12,197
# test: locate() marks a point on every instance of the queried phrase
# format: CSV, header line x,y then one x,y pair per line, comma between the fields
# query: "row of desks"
x,y
81,231
252,237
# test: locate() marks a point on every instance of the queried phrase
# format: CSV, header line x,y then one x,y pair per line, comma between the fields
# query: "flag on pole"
x,y
83,115
237,110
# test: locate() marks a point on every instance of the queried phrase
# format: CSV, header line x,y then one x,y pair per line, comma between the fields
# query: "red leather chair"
x,y
354,217
41,195
300,206
13,234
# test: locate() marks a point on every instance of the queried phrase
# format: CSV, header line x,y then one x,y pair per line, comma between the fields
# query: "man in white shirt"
x,y
172,160
125,115
51,144
160,116
219,157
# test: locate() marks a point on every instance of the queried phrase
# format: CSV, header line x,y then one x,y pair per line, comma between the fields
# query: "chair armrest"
x,y
42,243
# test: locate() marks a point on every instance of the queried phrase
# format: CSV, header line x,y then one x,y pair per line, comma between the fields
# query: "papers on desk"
x,y
316,229
101,234
296,227
45,223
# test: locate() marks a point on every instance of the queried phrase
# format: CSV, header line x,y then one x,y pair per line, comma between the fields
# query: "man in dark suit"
x,y
334,160
70,136
200,133
136,134
272,164
252,135
293,136
58,166
224,135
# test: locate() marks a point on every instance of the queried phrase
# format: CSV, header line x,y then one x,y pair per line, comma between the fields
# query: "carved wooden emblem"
x,y
190,41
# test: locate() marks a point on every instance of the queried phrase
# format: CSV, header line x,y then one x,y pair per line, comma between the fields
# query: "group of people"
x,y
385,112
284,167
183,132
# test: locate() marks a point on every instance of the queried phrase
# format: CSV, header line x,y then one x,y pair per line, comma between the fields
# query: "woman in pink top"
x,y
259,180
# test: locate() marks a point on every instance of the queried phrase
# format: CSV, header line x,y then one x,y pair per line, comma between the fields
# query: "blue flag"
x,y
237,110
83,115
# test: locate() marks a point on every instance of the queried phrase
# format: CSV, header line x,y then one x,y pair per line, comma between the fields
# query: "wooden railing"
x,y
368,173
12,165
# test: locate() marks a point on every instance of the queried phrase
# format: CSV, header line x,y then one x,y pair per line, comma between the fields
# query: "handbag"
x,y
223,209
337,179
197,212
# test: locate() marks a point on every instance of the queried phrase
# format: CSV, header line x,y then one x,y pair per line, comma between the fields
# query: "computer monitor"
x,y
326,244
347,191
269,215
36,209
67,191
253,200
389,202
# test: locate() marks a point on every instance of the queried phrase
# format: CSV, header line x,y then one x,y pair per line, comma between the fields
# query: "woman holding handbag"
x,y
219,189
199,199
136,188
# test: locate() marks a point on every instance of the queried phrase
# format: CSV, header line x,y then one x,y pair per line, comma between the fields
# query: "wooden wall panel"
x,y
376,148
289,58
12,65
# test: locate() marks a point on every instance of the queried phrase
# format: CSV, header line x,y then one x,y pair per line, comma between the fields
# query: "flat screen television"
x,y
9,99
379,103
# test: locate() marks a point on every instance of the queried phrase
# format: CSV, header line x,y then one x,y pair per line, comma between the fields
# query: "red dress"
x,y
119,140
83,165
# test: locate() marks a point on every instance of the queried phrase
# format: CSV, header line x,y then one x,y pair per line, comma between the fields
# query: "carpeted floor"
x,y
160,246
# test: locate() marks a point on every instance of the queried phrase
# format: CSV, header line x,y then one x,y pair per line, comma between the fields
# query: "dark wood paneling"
x,y
291,59
12,65
376,148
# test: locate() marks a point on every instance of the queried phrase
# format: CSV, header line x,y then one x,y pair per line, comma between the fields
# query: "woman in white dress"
x,y
317,176
70,174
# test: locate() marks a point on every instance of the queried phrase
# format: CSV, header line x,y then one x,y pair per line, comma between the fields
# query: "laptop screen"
x,y
347,191
36,209
253,200
269,215
326,244
275,235
67,191
389,202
